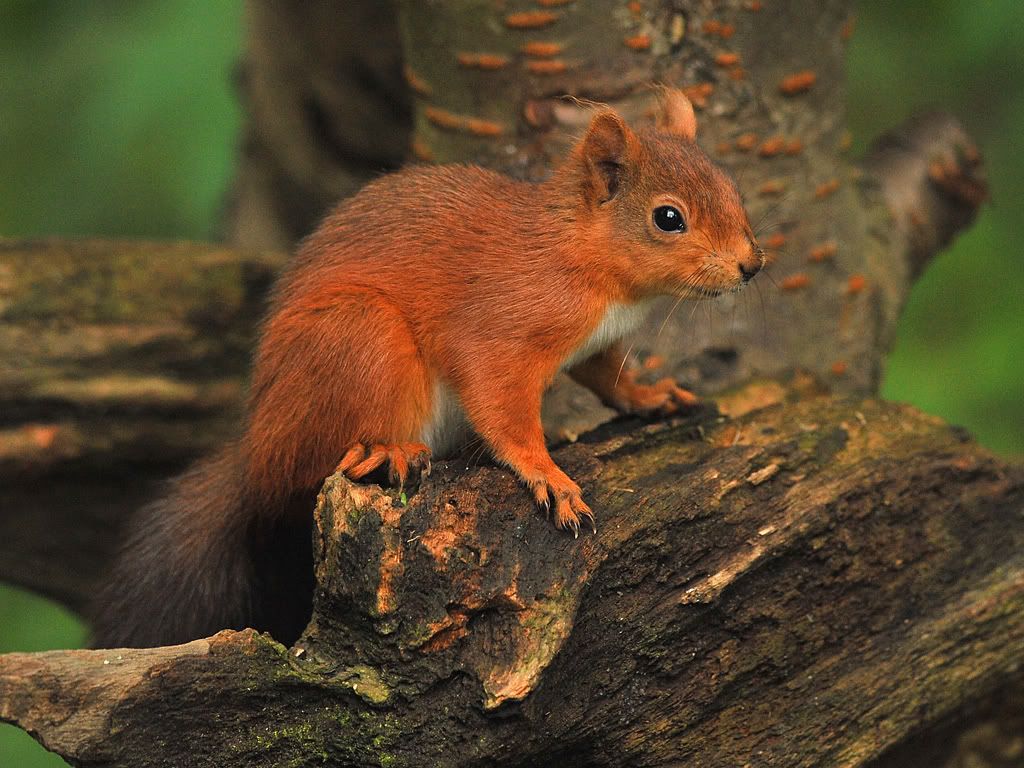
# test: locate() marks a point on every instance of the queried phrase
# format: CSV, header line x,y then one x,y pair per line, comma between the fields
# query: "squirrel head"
x,y
654,198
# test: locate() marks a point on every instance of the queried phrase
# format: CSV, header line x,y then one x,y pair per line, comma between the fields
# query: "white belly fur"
x,y
448,429
619,320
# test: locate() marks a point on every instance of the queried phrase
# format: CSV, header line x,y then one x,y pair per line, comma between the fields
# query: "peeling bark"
x,y
804,583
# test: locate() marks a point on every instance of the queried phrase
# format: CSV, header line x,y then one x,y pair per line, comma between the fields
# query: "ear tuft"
x,y
676,117
604,152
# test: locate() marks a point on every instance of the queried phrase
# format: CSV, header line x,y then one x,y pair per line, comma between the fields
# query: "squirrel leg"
x,y
360,460
339,385
605,375
508,419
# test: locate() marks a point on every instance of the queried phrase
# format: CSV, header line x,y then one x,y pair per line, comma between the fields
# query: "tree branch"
x,y
930,174
809,580
121,361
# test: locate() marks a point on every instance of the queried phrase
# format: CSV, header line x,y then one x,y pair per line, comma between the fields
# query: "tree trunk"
x,y
491,80
809,579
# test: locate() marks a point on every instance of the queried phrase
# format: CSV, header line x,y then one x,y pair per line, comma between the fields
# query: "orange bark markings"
x,y
530,19
638,42
798,82
795,282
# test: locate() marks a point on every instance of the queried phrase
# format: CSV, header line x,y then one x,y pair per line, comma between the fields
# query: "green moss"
x,y
366,682
302,742
417,635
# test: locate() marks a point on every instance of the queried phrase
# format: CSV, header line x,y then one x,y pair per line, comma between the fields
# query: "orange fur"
x,y
434,298
461,277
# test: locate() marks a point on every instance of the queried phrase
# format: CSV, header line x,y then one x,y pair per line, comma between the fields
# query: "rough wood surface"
x,y
119,362
810,581
804,583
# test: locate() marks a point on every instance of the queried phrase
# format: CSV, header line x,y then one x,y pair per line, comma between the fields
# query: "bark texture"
x,y
326,111
119,363
804,583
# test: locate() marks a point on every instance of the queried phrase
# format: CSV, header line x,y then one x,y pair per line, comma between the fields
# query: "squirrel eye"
x,y
669,219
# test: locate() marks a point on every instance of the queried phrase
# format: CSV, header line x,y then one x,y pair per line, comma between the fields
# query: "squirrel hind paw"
x,y
401,460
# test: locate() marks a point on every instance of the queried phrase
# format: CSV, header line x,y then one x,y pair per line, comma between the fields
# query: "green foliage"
x,y
118,118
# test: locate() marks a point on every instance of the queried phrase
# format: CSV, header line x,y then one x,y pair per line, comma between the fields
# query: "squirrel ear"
x,y
676,116
604,151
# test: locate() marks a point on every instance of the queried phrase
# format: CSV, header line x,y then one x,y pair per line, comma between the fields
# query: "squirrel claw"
x,y
568,510
589,517
560,498
359,461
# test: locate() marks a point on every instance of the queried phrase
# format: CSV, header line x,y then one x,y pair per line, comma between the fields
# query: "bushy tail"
x,y
186,570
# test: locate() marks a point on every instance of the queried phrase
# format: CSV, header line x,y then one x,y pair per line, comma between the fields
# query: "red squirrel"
x,y
438,302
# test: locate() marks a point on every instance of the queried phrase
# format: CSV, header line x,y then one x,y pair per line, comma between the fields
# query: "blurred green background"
x,y
118,118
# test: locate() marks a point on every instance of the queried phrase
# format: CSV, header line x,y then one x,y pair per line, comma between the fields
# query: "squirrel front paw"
x,y
560,497
663,398
402,460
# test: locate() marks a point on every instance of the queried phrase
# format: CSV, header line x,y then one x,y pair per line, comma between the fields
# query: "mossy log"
x,y
804,580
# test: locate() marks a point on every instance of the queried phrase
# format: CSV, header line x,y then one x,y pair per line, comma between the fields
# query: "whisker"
x,y
780,224
706,250
477,446
664,322
704,274
773,207
714,248
711,321
746,307
690,288
732,321
622,365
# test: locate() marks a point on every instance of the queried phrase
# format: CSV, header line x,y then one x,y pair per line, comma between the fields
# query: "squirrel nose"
x,y
753,266
747,271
